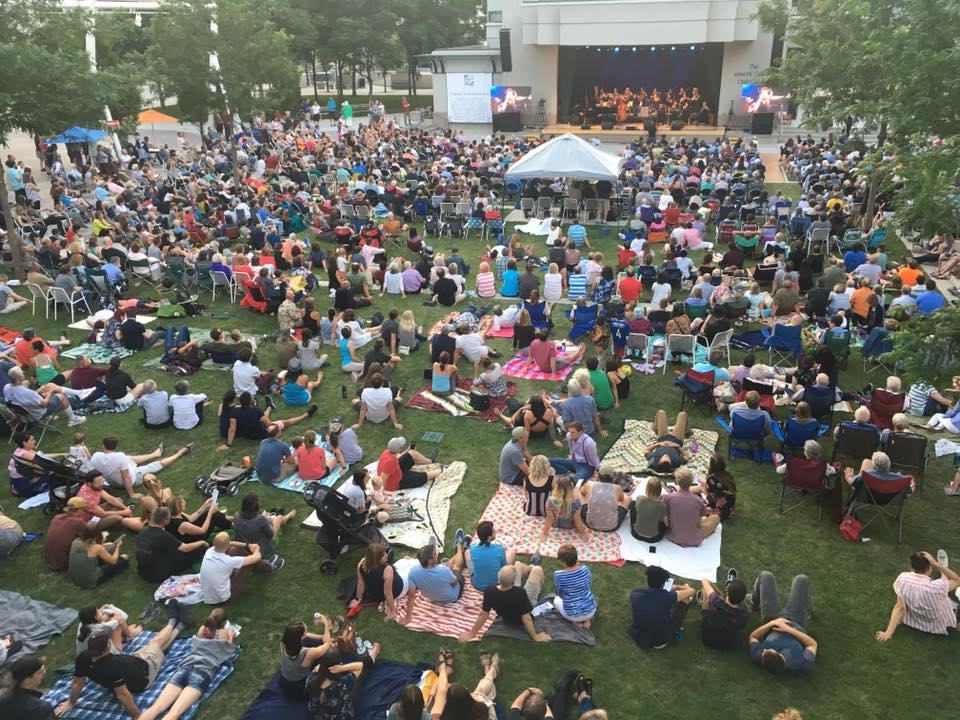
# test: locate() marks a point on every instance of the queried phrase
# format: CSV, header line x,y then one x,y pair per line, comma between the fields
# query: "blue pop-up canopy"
x,y
77,134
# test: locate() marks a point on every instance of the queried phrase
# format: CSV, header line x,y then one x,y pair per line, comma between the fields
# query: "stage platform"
x,y
619,134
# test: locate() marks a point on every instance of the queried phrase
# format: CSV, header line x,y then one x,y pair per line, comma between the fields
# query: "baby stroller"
x,y
343,527
63,479
227,479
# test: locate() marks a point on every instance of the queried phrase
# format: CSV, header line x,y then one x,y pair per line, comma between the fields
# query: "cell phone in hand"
x,y
214,496
668,585
413,446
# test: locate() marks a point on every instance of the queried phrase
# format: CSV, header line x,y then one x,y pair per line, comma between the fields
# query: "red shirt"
x,y
541,351
388,467
623,257
671,216
629,289
64,529
23,349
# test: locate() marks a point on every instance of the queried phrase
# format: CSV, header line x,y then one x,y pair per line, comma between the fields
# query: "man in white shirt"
x,y
155,404
126,471
245,374
377,403
223,572
470,345
187,407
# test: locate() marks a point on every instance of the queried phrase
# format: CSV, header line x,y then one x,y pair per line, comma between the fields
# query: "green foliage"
x,y
924,177
881,61
929,347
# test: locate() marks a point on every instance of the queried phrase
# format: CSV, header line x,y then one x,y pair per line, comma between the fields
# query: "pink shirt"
x,y
685,511
311,464
541,351
485,284
926,602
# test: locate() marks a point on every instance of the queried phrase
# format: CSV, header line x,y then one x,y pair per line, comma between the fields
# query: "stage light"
x,y
653,48
634,48
693,47
598,49
673,47
617,49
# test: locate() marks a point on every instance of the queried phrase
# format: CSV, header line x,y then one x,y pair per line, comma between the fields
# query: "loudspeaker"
x,y
586,126
507,122
506,59
606,124
676,124
761,124
630,127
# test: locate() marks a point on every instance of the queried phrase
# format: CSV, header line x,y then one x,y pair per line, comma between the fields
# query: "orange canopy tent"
x,y
153,116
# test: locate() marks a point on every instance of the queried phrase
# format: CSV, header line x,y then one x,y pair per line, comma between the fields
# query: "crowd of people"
x,y
361,194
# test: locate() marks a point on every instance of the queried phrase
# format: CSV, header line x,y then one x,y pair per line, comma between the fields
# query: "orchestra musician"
x,y
675,106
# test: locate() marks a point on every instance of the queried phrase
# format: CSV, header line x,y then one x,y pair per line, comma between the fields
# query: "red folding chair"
x,y
884,498
253,297
805,480
883,406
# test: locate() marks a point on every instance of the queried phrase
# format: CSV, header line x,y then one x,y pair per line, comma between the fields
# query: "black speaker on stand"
x,y
506,59
761,124
507,122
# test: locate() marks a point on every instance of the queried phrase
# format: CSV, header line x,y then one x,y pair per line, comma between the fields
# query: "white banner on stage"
x,y
468,98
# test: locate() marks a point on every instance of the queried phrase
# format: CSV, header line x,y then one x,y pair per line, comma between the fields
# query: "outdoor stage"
x,y
618,135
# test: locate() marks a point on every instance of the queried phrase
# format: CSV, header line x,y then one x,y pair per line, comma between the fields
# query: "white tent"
x,y
566,156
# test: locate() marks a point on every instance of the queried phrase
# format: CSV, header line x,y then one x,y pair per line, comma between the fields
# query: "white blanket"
x,y
693,563
38,500
83,325
946,447
535,227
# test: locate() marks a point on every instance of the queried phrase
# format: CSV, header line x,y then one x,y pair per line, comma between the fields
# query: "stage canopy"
x,y
566,156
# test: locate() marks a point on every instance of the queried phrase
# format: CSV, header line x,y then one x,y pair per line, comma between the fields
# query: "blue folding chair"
x,y
584,318
744,435
792,433
784,343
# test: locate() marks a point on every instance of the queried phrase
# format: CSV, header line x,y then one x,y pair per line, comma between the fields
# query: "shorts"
x,y
193,677
279,423
152,655
150,467
558,606
410,478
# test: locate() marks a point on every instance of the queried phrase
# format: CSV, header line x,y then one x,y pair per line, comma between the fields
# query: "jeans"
x,y
766,598
579,470
174,337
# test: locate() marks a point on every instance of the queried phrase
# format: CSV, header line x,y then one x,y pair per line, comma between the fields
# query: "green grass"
x,y
851,582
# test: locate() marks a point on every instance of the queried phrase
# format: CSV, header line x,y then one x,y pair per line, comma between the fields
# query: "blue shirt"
x,y
853,259
438,583
294,394
582,408
719,374
113,273
271,454
650,610
928,301
510,285
574,588
487,561
577,233
794,654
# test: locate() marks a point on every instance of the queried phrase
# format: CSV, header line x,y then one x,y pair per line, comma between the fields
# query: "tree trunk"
x,y
385,89
313,61
338,73
874,181
353,80
13,235
412,70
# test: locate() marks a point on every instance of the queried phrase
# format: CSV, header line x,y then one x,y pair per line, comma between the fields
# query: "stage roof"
x,y
566,156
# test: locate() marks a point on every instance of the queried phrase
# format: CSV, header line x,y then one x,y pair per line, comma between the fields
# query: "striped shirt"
x,y
486,285
926,602
573,587
917,397
577,233
577,286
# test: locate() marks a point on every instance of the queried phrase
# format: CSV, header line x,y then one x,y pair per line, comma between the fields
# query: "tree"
x,y
889,63
923,177
46,82
929,347
425,25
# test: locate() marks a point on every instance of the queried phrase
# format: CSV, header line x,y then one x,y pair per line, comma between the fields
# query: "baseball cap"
x,y
24,667
397,444
75,503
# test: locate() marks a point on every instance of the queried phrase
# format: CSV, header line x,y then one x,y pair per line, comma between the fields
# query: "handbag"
x,y
850,528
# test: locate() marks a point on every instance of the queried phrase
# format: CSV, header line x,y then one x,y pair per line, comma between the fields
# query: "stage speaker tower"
x,y
606,124
761,124
506,59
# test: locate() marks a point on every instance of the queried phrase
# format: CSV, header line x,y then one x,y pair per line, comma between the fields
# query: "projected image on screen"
x,y
755,98
506,99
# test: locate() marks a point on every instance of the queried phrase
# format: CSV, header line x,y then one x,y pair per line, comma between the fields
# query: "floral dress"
x,y
333,702
720,498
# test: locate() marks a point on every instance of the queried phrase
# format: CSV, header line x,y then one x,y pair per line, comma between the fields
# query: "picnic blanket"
x,y
98,354
381,688
519,366
519,531
627,453
445,619
98,703
82,324
7,335
486,323
201,335
185,588
33,622
417,533
503,332
295,483
693,563
550,622
458,404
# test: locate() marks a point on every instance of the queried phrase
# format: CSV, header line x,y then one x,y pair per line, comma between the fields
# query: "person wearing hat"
x,y
395,466
65,527
23,701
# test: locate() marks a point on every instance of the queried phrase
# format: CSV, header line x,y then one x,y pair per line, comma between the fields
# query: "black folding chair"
x,y
855,443
908,451
883,499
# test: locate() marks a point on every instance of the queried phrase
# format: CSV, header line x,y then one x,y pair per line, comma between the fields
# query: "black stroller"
x,y
63,479
342,526
227,479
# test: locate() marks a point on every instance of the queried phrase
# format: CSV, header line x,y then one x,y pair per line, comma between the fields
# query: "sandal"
x,y
485,660
495,666
446,658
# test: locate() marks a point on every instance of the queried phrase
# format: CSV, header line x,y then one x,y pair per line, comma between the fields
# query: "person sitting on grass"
x,y
512,602
395,466
649,514
333,684
488,377
23,699
211,647
248,420
439,582
378,581
313,462
126,471
515,458
580,406
187,407
605,504
574,601
923,603
722,618
160,554
261,529
486,557
470,345
781,644
275,461
563,509
223,572
543,354
299,651
298,388
443,379
125,675
93,561
657,613
378,404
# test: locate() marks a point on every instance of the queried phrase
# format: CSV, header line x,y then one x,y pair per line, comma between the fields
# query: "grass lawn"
x,y
851,582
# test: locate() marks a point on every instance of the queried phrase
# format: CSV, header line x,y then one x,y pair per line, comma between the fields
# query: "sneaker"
x,y
466,543
536,558
160,447
172,608
183,614
432,541
731,575
942,558
433,454
458,536
277,563
77,420
268,402
312,410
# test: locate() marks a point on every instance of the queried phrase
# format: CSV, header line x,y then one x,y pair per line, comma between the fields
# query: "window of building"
x,y
495,16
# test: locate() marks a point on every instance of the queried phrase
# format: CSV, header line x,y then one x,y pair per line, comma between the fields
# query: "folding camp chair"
x,y
218,278
545,205
908,451
698,387
591,208
855,443
253,297
792,434
678,345
883,406
58,296
838,340
872,359
804,480
720,344
883,498
570,208
745,434
784,344
527,204
37,293
763,276
637,344
25,422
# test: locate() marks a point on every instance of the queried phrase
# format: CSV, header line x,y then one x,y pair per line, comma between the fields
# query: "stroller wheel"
x,y
309,490
328,567
233,488
201,482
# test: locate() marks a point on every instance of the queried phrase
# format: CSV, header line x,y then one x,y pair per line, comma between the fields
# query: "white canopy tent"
x,y
566,156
